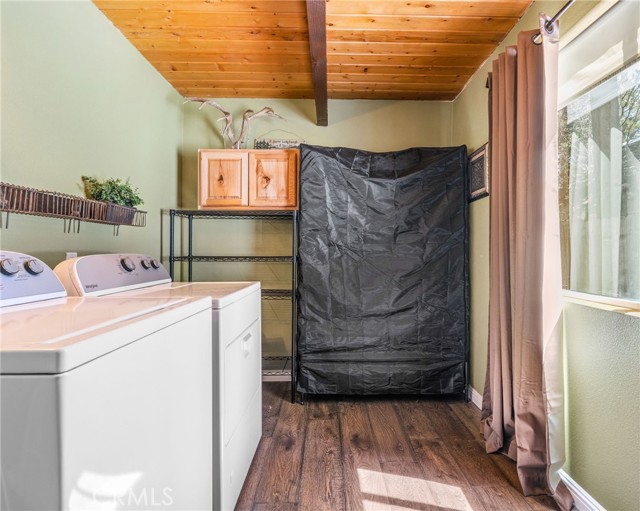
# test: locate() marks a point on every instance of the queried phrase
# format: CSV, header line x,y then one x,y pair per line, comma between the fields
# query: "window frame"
x,y
621,305
614,304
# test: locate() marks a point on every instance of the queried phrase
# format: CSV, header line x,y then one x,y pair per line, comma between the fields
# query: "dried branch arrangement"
x,y
228,130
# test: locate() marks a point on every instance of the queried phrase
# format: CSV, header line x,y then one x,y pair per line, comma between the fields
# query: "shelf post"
x,y
172,219
294,302
190,249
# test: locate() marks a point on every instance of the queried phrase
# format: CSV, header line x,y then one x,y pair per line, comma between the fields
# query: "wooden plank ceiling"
x,y
375,49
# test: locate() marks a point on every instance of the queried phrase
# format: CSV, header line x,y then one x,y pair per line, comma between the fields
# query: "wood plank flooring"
x,y
375,454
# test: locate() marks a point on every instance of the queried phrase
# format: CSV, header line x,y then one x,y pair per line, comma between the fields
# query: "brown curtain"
x,y
523,399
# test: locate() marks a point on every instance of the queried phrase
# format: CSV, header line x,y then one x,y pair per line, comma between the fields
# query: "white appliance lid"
x,y
65,333
221,293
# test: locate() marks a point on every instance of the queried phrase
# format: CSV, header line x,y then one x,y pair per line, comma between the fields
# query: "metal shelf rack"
x,y
287,365
71,208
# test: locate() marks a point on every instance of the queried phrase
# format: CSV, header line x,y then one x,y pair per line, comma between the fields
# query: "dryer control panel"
x,y
26,279
103,274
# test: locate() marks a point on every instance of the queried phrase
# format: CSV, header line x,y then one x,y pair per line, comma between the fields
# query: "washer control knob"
x,y
9,267
155,264
127,264
146,264
33,266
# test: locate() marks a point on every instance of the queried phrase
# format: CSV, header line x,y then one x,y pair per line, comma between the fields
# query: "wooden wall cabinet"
x,y
248,178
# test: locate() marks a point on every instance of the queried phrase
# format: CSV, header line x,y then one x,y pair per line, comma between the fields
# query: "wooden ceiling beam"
x,y
317,22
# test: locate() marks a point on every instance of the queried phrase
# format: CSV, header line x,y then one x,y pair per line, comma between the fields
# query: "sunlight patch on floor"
x,y
397,493
100,492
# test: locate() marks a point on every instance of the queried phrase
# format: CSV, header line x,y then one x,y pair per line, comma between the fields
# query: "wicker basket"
x,y
121,215
16,198
93,210
20,199
54,204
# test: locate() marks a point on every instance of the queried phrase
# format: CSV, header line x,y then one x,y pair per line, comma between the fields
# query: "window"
x,y
599,151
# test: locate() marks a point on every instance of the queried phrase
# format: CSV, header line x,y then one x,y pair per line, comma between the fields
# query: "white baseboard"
x,y
475,397
583,501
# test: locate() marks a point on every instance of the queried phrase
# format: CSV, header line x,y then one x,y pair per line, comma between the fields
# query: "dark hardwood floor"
x,y
377,454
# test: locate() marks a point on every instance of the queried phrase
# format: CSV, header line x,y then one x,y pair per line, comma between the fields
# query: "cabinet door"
x,y
273,178
222,179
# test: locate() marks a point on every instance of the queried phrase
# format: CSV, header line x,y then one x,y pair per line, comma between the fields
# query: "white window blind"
x,y
600,156
605,46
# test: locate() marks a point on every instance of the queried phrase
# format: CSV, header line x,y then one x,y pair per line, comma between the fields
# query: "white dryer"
x,y
102,407
236,328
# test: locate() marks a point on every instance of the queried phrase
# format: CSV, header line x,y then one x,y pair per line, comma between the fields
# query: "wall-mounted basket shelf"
x,y
30,201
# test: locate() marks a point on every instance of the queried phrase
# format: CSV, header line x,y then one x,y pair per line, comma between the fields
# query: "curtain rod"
x,y
548,26
537,38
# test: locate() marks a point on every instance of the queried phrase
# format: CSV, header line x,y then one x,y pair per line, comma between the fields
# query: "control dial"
x,y
33,266
9,267
127,264
150,263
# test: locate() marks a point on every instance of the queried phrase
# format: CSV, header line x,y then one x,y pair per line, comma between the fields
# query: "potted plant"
x,y
121,197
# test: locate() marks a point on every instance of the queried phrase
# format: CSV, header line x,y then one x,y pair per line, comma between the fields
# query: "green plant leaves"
x,y
111,190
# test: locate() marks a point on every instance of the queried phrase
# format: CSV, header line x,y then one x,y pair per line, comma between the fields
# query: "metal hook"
x,y
548,25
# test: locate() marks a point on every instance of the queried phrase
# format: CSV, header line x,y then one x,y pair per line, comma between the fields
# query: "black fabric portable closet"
x,y
383,280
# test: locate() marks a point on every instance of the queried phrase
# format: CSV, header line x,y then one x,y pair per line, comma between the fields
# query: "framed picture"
x,y
479,173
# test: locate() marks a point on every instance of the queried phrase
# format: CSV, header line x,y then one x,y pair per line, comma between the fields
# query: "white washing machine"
x,y
102,407
237,379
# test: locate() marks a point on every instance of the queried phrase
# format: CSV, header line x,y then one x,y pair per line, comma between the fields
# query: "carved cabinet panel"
x,y
223,179
245,179
273,178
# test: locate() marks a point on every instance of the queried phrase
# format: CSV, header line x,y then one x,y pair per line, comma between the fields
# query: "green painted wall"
x,y
603,348
368,125
603,376
78,99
